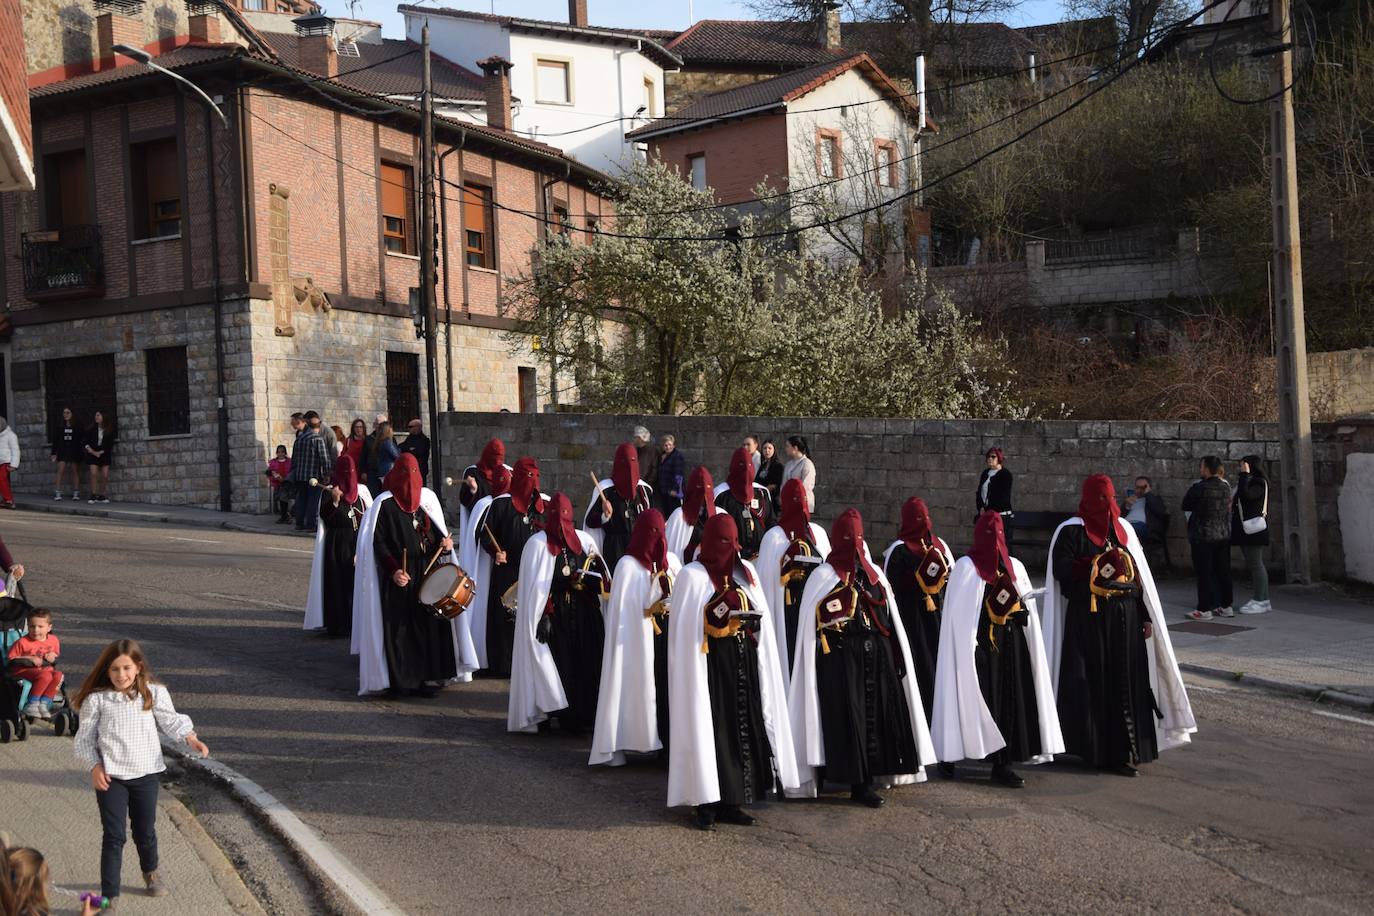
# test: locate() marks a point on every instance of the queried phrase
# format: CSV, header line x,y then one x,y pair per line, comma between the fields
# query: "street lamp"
x,y
146,59
221,404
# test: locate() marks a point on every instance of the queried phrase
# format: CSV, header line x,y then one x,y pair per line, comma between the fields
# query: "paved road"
x,y
1271,810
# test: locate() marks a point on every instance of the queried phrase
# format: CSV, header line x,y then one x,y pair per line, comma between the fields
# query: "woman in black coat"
x,y
1251,502
99,447
770,472
994,491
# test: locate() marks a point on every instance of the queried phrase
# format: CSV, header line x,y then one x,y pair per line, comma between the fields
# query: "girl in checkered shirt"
x,y
123,707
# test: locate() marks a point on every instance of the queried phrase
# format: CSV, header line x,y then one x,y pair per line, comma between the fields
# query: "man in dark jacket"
x,y
648,456
672,472
417,444
1208,507
309,459
1145,510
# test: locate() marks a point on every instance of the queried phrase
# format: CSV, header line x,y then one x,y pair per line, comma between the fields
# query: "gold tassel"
x,y
1092,605
705,646
930,603
825,646
992,640
657,630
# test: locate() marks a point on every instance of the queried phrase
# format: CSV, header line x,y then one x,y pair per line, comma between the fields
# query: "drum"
x,y
447,591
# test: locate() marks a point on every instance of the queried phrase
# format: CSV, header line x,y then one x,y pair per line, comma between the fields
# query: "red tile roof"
x,y
387,69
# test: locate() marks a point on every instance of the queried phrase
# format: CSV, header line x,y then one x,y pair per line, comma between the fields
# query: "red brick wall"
x,y
13,78
738,155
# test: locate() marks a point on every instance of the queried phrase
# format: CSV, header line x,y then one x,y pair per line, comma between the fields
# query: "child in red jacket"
x,y
33,658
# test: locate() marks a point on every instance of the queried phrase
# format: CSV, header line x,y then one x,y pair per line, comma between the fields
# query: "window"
x,y
886,165
650,100
829,162
593,227
553,82
696,170
255,5
562,222
478,244
398,208
169,391
66,198
156,189
83,383
402,387
525,377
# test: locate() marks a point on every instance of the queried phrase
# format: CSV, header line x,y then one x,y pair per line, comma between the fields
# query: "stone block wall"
x,y
874,464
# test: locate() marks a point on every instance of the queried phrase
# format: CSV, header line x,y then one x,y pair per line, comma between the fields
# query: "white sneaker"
x,y
34,710
76,496
1227,611
92,501
1199,615
1256,607
57,496
1245,608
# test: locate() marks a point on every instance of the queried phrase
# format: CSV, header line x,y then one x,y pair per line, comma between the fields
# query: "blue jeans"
x,y
307,506
134,800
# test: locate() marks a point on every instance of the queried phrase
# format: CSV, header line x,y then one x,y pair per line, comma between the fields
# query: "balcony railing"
x,y
65,263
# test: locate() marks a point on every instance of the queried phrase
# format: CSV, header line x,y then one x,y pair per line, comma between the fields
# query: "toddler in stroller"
x,y
31,686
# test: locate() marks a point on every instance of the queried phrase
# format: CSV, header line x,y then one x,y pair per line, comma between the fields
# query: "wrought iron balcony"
x,y
65,263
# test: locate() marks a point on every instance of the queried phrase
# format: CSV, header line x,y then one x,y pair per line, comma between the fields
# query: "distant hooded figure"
x,y
687,522
477,478
917,565
788,554
615,505
329,604
746,502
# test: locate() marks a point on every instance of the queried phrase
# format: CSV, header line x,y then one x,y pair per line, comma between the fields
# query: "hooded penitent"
x,y
989,551
1100,513
405,483
719,550
648,542
493,456
345,477
558,527
625,471
795,515
524,487
699,487
847,546
741,477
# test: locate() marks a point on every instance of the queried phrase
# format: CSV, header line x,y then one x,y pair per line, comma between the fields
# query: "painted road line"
x,y
96,530
197,540
1344,718
290,550
242,600
363,894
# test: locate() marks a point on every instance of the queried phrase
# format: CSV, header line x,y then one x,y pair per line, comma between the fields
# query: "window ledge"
x,y
484,270
403,256
158,238
168,436
552,102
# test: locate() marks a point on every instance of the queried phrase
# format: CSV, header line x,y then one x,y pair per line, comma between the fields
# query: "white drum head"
x,y
438,584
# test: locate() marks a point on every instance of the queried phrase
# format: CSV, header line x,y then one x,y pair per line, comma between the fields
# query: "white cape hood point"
x,y
692,776
536,690
772,549
627,705
314,598
368,641
962,727
679,534
804,701
1165,680
642,489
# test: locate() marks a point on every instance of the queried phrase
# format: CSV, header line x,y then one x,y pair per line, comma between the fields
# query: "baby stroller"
x,y
14,691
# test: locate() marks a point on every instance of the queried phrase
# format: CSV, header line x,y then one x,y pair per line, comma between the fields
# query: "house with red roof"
x,y
197,269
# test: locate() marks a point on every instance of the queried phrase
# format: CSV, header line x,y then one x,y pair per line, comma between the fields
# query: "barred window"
x,y
169,392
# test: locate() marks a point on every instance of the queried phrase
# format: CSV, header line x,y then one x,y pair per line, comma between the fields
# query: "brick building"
x,y
16,133
167,255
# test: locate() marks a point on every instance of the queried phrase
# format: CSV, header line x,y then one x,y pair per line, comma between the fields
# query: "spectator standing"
x,y
354,447
800,467
648,456
67,455
1252,502
672,472
99,450
326,437
340,440
417,444
1145,510
308,460
1208,506
994,492
368,447
752,444
769,473
9,462
278,477
384,452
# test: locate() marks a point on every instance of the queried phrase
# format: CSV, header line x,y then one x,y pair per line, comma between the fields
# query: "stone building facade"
x,y
273,227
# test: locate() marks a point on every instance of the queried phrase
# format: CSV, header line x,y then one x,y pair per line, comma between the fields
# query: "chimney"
x,y
315,44
497,72
577,13
204,27
828,26
113,29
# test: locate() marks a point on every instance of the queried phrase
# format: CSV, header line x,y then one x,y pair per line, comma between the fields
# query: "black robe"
x,y
1007,681
922,625
744,758
792,594
467,498
751,522
615,531
418,645
1106,706
340,546
865,720
512,531
576,636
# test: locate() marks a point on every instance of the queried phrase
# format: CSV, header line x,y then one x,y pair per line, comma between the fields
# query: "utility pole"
x,y
1295,420
428,259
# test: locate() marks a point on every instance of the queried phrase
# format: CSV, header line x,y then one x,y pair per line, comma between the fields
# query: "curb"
x,y
302,840
1306,692
222,871
135,516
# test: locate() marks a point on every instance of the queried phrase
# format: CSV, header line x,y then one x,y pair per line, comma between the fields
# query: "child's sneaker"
x,y
34,710
1227,611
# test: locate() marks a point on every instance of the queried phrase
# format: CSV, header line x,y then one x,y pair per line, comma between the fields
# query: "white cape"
x,y
647,493
962,727
771,551
477,563
368,641
536,690
804,701
463,511
627,705
679,534
692,776
314,599
1165,680
760,491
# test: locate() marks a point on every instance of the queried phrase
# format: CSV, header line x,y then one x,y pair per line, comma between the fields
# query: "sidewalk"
x,y
1315,642
48,804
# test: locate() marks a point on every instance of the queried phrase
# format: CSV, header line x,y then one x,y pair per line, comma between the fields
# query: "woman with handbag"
x,y
1250,529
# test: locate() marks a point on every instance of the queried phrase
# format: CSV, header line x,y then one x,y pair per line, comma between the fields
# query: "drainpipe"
x,y
226,503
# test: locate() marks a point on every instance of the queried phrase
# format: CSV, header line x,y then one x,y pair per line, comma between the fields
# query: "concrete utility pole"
x,y
429,259
1295,420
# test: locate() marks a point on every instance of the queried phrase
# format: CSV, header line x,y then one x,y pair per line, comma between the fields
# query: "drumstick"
x,y
432,560
597,483
404,567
